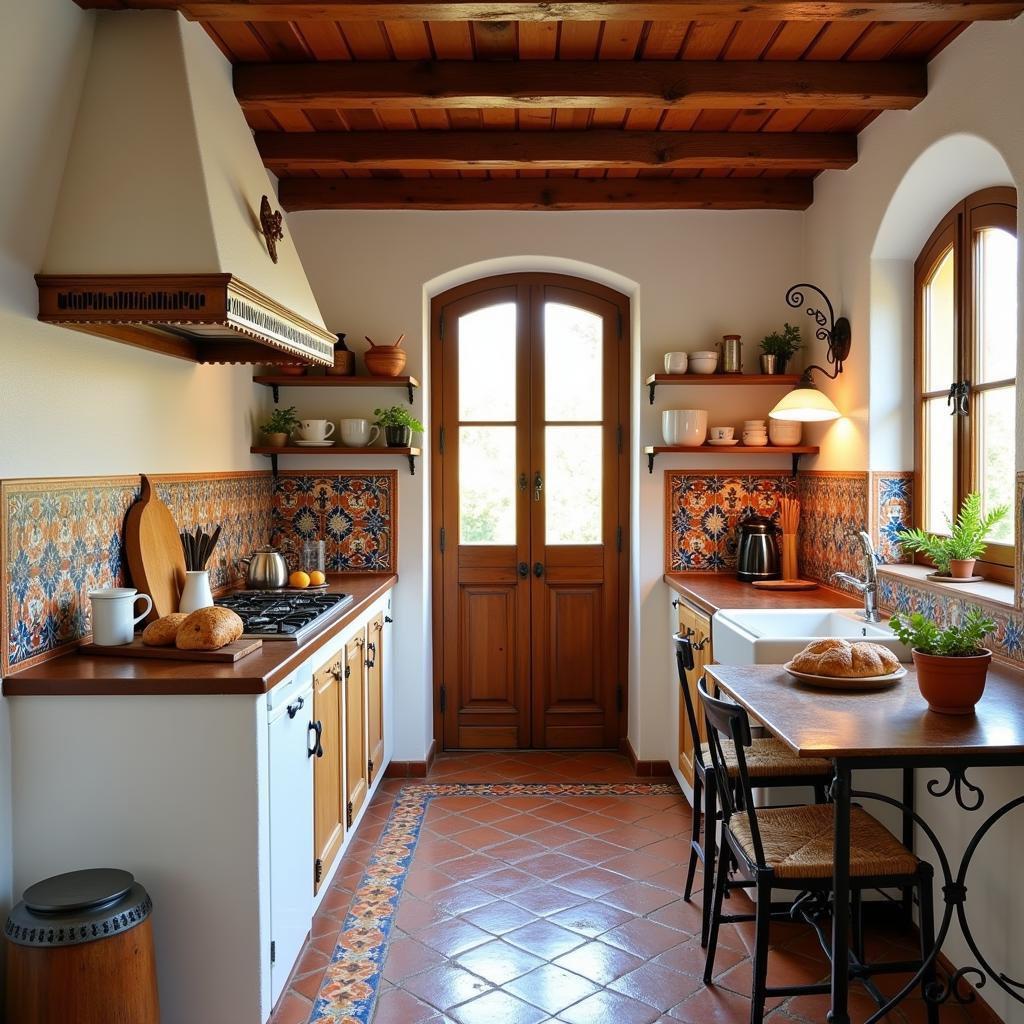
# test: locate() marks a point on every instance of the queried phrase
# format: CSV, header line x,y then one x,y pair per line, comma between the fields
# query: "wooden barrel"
x,y
80,948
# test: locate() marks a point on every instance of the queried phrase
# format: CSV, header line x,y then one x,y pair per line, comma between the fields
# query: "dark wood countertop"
x,y
876,723
713,591
88,675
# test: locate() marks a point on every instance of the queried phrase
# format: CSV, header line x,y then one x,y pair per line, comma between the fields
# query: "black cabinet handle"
x,y
317,750
372,660
675,602
524,570
293,709
538,569
388,619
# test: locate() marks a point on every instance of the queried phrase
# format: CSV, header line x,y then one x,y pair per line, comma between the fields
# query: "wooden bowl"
x,y
384,361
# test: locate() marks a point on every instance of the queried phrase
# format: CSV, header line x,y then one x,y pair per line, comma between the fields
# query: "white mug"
x,y
113,615
675,362
315,430
358,433
721,433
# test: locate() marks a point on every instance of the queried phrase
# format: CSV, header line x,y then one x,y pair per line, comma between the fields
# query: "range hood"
x,y
157,238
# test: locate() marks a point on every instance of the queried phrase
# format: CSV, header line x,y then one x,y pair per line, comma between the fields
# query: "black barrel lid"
x,y
78,890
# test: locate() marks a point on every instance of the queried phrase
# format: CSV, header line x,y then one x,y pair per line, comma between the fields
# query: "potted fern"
x,y
398,425
280,425
951,663
777,349
954,556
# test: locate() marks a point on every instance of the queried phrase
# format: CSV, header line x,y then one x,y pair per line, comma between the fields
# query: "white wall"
x,y
693,276
864,232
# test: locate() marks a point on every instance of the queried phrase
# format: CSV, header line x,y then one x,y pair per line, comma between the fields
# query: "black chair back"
x,y
684,664
725,719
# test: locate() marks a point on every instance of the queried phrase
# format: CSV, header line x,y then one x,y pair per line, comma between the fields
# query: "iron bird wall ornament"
x,y
271,222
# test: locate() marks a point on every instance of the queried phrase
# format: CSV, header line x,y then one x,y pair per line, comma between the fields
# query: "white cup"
x,y
358,433
753,424
315,430
721,433
675,362
687,427
755,440
113,615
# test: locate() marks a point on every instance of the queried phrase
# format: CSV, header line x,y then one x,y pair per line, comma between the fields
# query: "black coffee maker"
x,y
757,550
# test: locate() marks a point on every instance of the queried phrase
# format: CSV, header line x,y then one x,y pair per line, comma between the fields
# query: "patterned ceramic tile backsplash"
x,y
354,512
834,506
892,498
703,509
59,539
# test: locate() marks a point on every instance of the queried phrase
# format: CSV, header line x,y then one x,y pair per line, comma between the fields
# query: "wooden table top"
x,y
713,591
830,723
80,675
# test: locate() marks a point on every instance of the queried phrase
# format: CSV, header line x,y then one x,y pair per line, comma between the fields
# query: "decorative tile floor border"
x,y
351,984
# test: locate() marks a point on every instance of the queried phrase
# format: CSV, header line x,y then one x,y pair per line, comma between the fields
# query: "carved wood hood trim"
x,y
220,316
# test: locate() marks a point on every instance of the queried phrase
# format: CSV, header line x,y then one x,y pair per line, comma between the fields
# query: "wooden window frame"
x,y
991,207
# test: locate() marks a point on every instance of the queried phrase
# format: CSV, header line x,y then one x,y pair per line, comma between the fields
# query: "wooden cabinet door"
x,y
355,726
375,694
328,805
698,627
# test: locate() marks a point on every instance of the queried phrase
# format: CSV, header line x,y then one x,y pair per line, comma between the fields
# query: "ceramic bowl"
x,y
785,432
675,362
684,426
703,362
755,440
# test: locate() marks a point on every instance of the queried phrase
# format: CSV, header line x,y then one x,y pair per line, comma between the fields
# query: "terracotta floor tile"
x,y
473,865
309,985
449,938
597,825
656,985
415,914
591,919
606,1006
599,963
498,1006
643,938
592,882
490,813
550,866
545,899
506,881
552,988
689,958
292,1009
446,986
679,914
396,1006
408,956
593,850
713,1006
459,898
639,898
482,836
499,917
515,850
553,836
499,962
544,939
637,865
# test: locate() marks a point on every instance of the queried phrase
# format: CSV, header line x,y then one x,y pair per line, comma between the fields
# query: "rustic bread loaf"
x,y
842,659
209,629
162,632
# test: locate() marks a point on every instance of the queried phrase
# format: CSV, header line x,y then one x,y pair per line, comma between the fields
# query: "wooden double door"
x,y
530,507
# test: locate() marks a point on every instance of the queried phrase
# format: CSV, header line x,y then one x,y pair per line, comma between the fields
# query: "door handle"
x,y
522,482
524,570
317,749
372,660
538,569
293,709
538,485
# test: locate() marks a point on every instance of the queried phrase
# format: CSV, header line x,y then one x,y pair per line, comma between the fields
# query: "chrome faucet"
x,y
867,586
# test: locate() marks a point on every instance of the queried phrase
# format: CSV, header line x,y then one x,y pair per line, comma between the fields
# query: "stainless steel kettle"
x,y
757,553
265,569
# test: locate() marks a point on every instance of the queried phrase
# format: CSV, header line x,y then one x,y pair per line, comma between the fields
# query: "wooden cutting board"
x,y
137,649
153,551
785,585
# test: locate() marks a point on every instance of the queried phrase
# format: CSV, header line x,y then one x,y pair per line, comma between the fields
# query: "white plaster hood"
x,y
156,239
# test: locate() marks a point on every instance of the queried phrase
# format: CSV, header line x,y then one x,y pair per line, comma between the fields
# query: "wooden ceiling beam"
x,y
546,194
558,150
657,85
576,10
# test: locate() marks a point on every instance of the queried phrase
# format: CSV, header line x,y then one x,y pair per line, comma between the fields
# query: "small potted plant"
x,y
777,349
954,556
398,425
951,663
280,425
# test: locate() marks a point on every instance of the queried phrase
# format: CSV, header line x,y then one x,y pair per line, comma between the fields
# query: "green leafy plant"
x,y
957,641
282,421
966,538
783,345
396,416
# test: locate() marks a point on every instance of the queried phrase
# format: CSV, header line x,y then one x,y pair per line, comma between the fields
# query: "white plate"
x,y
724,444
315,444
847,682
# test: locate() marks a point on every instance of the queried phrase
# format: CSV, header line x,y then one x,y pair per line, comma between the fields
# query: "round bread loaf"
x,y
163,632
208,629
842,659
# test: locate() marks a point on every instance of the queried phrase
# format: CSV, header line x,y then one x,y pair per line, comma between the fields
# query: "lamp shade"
x,y
806,404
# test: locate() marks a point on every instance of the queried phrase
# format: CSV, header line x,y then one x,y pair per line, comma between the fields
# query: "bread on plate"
x,y
841,659
163,631
209,629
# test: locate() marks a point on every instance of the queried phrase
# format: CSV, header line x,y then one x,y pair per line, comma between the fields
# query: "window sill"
x,y
999,595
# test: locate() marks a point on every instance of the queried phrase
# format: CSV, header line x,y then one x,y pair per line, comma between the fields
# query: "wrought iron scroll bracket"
x,y
271,226
835,333
957,783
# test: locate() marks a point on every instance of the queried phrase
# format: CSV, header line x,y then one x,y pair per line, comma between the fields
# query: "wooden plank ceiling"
x,y
575,104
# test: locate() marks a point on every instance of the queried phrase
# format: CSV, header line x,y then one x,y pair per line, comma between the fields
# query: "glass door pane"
x,y
938,460
574,484
487,364
572,363
995,456
487,485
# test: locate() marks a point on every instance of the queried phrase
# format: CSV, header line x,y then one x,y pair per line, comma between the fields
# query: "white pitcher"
x,y
113,615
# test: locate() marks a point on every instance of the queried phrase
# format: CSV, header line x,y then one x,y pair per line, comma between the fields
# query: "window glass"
x,y
487,485
573,485
996,263
938,448
995,455
940,326
487,363
572,363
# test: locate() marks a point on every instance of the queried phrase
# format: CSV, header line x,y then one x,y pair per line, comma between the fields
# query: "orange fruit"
x,y
299,579
316,577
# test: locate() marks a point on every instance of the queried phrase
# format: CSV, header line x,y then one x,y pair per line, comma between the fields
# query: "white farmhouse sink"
x,y
771,637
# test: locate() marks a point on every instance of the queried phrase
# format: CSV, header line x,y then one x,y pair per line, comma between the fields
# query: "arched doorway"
x,y
530,508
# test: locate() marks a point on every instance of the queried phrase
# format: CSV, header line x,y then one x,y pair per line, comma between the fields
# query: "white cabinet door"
x,y
291,833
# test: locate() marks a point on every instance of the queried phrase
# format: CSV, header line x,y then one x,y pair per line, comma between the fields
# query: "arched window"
x,y
965,282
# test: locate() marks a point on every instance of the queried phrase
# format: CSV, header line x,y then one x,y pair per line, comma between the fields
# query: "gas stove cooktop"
x,y
283,615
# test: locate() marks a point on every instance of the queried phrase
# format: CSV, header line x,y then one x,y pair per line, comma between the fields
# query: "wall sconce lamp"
x,y
806,403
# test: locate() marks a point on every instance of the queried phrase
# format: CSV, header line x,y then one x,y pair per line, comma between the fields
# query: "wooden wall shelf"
x,y
738,449
712,379
291,449
277,381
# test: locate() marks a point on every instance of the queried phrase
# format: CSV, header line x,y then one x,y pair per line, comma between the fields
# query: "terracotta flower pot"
x,y
961,568
952,686
276,440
